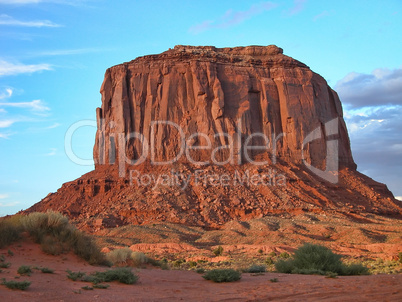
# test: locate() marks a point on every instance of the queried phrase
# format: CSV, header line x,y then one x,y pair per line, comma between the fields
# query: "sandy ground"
x,y
164,285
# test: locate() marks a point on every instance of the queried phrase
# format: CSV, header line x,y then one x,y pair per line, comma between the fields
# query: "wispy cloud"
x,y
67,52
4,196
321,15
10,21
6,123
9,204
4,135
8,68
6,94
52,152
35,105
381,87
298,6
231,17
33,2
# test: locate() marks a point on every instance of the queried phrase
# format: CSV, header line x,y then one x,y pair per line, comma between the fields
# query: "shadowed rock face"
x,y
233,91
209,105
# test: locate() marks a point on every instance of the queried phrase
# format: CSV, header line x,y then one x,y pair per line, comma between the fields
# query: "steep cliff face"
x,y
247,132
241,93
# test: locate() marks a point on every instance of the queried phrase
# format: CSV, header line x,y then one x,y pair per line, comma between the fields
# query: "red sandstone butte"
x,y
237,92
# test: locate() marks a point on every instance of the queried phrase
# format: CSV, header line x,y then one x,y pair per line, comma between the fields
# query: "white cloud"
x,y
35,105
231,17
10,204
7,68
4,196
7,94
10,21
4,135
381,87
6,123
399,197
52,152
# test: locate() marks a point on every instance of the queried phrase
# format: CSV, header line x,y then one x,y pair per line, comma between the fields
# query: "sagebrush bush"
x,y
125,255
119,255
123,275
46,270
138,258
24,270
21,285
256,269
316,259
222,275
10,230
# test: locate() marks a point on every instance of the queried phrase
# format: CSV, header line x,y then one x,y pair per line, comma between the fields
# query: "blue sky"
x,y
53,55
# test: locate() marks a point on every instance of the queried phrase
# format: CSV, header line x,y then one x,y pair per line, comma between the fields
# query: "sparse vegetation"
x,y
273,280
101,286
46,270
218,251
74,275
10,230
122,275
284,255
53,231
127,256
24,270
87,288
222,275
5,264
21,285
256,269
317,259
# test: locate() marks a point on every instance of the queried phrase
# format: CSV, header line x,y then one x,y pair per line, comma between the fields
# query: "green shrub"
x,y
46,270
400,257
5,264
272,254
192,263
317,259
218,251
222,275
269,261
256,269
355,269
200,270
284,255
123,275
101,286
21,285
274,280
24,270
10,252
87,288
74,275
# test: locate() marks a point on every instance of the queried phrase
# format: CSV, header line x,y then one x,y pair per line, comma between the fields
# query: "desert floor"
x,y
174,285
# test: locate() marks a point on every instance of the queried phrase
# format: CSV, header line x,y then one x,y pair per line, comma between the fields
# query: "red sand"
x,y
163,285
